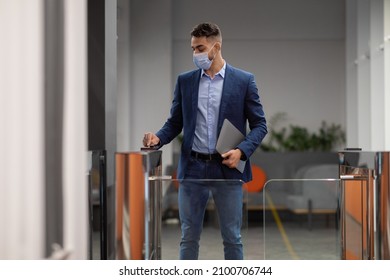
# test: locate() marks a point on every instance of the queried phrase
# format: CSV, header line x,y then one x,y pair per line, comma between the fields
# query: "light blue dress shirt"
x,y
209,100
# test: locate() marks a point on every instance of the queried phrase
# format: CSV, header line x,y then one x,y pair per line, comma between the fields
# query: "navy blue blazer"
x,y
240,104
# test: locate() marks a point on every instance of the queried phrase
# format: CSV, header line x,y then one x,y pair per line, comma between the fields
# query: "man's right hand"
x,y
150,140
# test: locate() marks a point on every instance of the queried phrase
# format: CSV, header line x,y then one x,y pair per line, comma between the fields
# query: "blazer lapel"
x,y
194,85
226,94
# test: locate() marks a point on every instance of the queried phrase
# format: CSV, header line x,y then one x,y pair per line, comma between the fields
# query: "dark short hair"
x,y
207,30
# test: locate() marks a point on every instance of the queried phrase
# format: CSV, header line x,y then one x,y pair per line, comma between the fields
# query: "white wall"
x,y
144,78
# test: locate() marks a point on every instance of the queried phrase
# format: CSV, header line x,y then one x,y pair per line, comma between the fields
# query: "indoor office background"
x,y
83,79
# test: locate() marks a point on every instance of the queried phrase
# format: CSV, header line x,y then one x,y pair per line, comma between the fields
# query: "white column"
x,y
351,75
377,77
363,75
124,83
75,130
111,85
22,130
386,50
368,88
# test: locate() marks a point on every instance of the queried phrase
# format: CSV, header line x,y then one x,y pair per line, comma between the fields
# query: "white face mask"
x,y
202,61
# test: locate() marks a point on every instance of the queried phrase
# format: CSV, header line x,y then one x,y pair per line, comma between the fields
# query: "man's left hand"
x,y
231,158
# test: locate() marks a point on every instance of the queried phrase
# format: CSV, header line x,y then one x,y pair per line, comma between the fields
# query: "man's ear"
x,y
218,45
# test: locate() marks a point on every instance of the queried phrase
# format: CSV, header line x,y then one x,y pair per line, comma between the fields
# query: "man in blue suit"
x,y
203,98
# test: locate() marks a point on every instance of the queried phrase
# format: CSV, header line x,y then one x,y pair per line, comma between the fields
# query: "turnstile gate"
x,y
365,200
138,205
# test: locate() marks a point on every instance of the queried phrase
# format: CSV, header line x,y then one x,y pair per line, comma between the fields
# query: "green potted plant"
x,y
298,138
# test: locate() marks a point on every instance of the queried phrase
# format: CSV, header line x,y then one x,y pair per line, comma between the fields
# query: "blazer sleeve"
x,y
255,115
174,124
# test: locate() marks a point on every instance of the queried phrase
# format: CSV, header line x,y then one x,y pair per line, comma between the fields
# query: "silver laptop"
x,y
228,139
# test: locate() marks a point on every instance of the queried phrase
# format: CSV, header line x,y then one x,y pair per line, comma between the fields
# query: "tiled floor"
x,y
297,242
292,239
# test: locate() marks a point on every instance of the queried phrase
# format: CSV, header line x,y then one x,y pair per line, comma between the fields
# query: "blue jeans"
x,y
193,197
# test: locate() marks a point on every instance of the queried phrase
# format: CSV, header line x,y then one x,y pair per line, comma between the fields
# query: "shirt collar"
x,y
221,72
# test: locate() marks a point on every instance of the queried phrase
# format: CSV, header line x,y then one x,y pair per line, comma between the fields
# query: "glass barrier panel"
x,y
301,219
211,242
